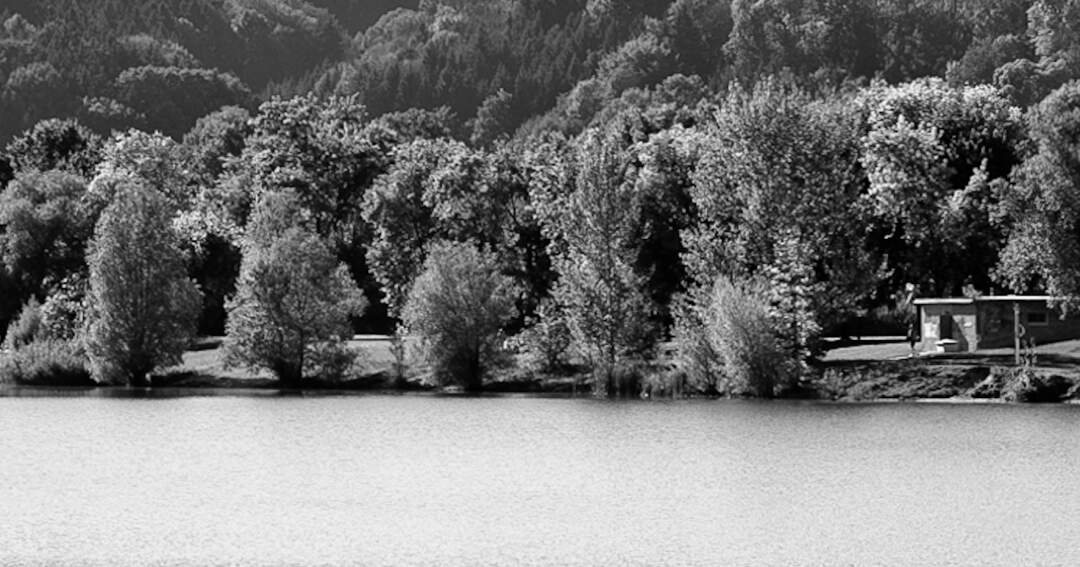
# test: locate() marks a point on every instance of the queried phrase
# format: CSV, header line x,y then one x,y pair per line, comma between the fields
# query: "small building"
x,y
966,324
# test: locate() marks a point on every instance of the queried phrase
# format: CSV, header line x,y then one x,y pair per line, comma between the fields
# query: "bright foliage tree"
x,y
290,314
143,306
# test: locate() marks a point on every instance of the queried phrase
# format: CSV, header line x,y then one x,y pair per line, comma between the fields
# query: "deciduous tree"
x,y
459,306
143,306
294,299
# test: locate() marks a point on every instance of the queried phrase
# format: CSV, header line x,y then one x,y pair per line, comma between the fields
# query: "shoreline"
x,y
862,374
882,387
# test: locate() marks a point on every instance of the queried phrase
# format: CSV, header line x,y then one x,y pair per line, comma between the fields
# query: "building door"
x,y
945,326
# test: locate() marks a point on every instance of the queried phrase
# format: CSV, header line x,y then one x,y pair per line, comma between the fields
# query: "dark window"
x,y
1037,318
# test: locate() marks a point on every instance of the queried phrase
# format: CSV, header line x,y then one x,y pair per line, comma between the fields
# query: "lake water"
x,y
420,480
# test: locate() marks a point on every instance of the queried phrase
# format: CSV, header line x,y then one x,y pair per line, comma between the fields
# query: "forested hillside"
x,y
825,159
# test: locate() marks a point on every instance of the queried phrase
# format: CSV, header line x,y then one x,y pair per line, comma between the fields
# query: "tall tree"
x,y
143,306
459,306
290,314
776,159
1043,205
935,155
589,226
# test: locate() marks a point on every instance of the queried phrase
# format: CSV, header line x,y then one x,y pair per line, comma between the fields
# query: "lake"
x,y
428,480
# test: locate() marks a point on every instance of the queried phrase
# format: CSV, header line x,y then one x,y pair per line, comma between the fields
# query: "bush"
x,y
26,327
547,339
695,356
739,328
458,307
63,315
46,363
331,361
1030,386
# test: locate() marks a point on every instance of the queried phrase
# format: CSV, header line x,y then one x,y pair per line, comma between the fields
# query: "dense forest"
x,y
633,170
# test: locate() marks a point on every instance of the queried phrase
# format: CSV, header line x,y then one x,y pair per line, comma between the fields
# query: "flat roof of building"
x,y
985,298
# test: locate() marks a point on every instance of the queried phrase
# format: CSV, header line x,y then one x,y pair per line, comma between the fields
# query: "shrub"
x,y
545,341
46,363
63,315
26,326
739,328
458,307
695,356
1030,386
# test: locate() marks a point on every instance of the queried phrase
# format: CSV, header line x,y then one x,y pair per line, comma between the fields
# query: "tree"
x,y
56,144
215,138
46,221
144,307
776,159
493,119
33,92
293,301
589,226
741,331
153,93
1043,204
934,155
154,159
401,219
458,306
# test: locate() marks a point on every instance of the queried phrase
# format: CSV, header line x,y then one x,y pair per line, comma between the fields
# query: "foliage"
x,y
56,144
742,332
328,153
936,158
153,159
546,339
26,327
401,219
151,92
601,293
777,160
1028,385
415,123
65,311
46,363
443,190
46,220
1042,252
143,306
492,120
216,138
793,297
458,306
290,314
695,355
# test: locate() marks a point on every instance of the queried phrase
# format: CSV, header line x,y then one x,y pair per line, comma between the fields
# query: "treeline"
x,y
497,65
744,207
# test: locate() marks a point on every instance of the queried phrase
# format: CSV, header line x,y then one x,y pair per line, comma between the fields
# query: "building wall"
x,y
963,322
996,324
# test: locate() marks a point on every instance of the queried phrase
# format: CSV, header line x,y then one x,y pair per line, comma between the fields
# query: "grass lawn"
x,y
869,348
207,359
